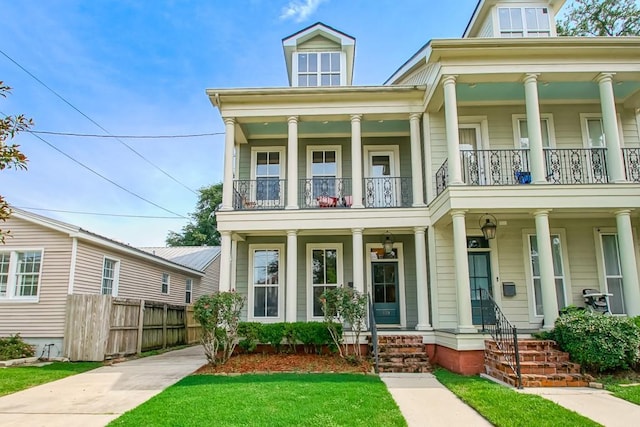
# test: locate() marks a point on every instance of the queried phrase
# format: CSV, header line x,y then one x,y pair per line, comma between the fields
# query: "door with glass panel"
x,y
268,172
480,283
474,163
323,190
595,159
382,186
553,171
558,272
613,272
386,299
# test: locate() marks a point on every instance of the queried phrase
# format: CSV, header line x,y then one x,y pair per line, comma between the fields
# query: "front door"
x,y
386,300
480,282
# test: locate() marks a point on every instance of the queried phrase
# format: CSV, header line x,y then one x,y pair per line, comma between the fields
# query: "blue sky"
x,y
142,67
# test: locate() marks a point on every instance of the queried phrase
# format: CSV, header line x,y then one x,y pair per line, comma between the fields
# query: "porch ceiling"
x,y
271,128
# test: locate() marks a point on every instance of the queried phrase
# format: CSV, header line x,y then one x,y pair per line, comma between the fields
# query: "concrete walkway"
x,y
97,397
425,402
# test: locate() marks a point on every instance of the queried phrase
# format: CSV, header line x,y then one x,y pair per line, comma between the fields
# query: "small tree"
x,y
345,305
219,316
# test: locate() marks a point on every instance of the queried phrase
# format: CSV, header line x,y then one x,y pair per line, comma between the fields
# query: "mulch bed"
x,y
268,363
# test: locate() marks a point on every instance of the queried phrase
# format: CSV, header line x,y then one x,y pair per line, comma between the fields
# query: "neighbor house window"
x,y
165,283
558,271
110,269
20,274
266,281
612,272
524,22
325,273
188,286
319,68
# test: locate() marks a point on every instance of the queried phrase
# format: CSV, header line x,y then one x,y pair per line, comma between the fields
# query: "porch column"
x,y
416,160
610,125
358,260
547,275
628,264
356,160
229,145
453,139
536,152
233,263
292,163
421,279
463,290
225,261
291,300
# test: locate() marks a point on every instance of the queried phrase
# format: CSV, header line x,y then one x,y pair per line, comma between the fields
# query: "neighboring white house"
x,y
386,188
44,260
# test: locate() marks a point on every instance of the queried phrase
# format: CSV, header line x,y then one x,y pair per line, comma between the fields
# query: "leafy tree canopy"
x,y
601,18
202,228
10,155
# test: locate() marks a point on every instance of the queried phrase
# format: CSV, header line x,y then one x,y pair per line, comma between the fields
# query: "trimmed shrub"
x,y
312,335
272,333
599,343
13,347
249,333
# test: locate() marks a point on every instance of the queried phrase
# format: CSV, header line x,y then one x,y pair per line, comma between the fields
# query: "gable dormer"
x,y
319,56
513,19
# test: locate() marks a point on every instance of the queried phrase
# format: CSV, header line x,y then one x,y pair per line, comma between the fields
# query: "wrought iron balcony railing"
x,y
576,165
442,177
320,192
388,192
631,164
261,193
495,167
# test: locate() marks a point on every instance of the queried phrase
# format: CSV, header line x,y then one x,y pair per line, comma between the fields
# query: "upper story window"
x,y
319,69
524,22
20,274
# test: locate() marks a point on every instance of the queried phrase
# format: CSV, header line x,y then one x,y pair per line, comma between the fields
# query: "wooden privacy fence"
x,y
102,326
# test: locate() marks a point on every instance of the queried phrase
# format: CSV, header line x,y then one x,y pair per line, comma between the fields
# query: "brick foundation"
x,y
470,362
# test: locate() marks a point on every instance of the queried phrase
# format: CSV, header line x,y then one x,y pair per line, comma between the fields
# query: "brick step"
x,y
525,345
403,348
407,360
532,356
399,339
402,367
402,354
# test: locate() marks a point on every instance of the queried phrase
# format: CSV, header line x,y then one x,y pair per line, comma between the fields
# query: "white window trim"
x,y
515,120
281,284
401,283
522,7
340,270
370,149
283,165
585,131
13,269
466,122
188,287
295,72
568,286
116,275
336,148
168,283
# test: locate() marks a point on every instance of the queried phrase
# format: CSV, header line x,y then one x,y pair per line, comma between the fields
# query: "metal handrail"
x,y
502,331
374,333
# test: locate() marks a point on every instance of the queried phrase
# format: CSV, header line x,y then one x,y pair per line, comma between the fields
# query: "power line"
x,y
99,213
96,123
92,135
102,176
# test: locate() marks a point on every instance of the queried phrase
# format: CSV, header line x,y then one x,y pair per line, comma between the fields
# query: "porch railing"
x,y
387,192
495,167
576,165
319,192
442,177
374,333
631,164
262,193
502,331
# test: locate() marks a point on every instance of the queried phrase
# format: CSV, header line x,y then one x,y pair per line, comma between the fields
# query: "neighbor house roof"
x,y
196,257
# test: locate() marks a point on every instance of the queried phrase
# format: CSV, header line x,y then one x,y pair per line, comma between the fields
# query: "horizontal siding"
x,y
210,282
319,43
44,319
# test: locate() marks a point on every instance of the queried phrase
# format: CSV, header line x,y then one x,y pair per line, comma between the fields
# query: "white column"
x,y
416,160
234,259
356,161
229,145
225,261
291,300
292,163
451,121
461,260
536,151
421,279
358,260
610,125
547,275
628,264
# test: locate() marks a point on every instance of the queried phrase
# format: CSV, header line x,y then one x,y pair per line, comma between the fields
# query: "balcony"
x,y
388,192
264,193
631,158
319,192
576,165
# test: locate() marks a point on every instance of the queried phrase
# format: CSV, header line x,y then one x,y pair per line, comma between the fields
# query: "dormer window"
x,y
524,22
319,69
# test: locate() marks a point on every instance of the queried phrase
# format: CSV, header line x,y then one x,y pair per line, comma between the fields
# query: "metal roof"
x,y
196,257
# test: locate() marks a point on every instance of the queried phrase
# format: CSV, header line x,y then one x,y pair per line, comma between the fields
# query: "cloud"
x,y
300,10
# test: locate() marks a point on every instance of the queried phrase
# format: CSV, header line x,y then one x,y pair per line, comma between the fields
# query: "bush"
x,y
312,335
13,347
250,333
599,343
272,333
345,305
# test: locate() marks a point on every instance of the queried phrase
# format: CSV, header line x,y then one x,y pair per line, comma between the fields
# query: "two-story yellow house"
x,y
504,163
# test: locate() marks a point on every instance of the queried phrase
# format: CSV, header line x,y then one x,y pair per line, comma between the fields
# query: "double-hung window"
x,y
268,175
110,273
188,291
266,281
524,22
558,272
325,272
319,68
521,131
324,170
164,288
20,274
612,271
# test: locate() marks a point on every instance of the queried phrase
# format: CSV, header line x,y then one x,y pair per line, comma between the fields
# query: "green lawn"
x,y
21,377
504,407
630,393
270,400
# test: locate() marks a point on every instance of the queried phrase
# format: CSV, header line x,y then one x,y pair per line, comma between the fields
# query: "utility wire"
x,y
100,175
98,213
96,123
92,135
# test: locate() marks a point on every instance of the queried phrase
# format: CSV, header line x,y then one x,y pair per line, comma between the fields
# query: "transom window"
x,y
319,68
558,271
324,275
165,283
110,277
20,274
266,283
524,22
